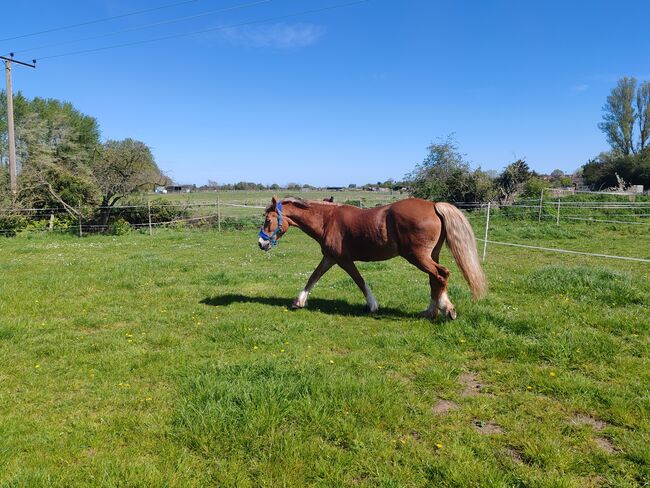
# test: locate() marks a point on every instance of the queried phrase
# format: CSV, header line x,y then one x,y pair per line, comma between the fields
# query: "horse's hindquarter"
x,y
360,235
416,224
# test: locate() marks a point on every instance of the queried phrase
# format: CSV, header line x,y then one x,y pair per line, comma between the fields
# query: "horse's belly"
x,y
368,251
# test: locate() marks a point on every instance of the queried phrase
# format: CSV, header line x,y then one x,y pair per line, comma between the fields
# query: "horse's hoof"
x,y
451,314
296,306
367,309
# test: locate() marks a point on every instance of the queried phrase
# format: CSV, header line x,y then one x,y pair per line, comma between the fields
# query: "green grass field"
x,y
172,360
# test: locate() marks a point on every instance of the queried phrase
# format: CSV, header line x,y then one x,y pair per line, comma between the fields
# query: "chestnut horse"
x,y
413,228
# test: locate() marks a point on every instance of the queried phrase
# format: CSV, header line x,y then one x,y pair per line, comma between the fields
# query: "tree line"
x,y
63,163
445,173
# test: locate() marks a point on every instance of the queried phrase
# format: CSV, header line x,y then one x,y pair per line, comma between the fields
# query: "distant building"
x,y
180,188
160,189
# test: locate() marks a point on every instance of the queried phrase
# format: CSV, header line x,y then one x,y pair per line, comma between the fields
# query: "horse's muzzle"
x,y
264,245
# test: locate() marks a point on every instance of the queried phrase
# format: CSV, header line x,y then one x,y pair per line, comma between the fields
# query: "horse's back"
x,y
382,232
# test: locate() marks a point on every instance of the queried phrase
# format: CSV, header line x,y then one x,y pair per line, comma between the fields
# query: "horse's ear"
x,y
274,201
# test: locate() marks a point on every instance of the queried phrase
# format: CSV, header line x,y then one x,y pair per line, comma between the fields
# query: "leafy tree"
x,y
556,175
643,113
533,186
55,144
626,107
511,181
122,168
446,175
601,172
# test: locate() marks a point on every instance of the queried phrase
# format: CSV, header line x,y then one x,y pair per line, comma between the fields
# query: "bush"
x,y
11,224
119,227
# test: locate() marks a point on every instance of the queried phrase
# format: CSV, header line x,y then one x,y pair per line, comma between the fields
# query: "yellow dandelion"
x,y
552,374
37,366
462,341
331,361
255,347
529,387
438,446
281,350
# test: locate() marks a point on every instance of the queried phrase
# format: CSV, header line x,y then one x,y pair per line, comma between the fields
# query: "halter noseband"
x,y
278,230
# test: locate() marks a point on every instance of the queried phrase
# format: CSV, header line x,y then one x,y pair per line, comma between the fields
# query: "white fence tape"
x,y
566,251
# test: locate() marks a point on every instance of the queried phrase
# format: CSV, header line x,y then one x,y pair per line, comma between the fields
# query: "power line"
x,y
203,31
96,21
146,26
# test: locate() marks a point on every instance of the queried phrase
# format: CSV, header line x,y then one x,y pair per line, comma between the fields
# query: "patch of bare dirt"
x,y
443,407
581,419
606,445
594,481
514,454
487,427
470,383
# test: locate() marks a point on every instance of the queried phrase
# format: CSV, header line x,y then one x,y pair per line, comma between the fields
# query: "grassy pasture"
x,y
172,360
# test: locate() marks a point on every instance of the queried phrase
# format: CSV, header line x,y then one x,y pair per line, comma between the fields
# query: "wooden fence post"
x,y
218,214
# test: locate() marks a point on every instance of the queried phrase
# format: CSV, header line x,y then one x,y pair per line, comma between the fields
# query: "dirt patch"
x,y
581,419
514,454
594,481
340,351
606,445
470,383
487,427
443,407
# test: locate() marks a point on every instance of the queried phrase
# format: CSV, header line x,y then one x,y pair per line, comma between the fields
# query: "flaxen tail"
x,y
460,240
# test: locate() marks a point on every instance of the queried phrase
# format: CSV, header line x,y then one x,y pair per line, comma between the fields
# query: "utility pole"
x,y
10,120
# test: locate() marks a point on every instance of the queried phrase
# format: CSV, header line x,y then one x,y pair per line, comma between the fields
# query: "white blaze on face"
x,y
370,299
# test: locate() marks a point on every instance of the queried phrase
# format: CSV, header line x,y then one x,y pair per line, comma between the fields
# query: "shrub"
x,y
119,227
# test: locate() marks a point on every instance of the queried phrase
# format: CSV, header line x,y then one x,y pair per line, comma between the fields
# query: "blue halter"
x,y
278,230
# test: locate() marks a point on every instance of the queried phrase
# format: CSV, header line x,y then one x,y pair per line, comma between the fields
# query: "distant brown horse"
x,y
414,229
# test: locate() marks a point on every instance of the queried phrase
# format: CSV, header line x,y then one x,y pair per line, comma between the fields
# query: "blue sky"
x,y
347,95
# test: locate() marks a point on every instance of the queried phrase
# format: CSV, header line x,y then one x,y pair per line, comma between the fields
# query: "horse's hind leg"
x,y
325,264
438,276
352,270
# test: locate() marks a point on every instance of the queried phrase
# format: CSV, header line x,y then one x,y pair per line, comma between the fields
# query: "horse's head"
x,y
275,225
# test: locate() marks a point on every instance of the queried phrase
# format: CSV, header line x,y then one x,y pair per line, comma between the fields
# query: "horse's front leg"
x,y
352,270
325,264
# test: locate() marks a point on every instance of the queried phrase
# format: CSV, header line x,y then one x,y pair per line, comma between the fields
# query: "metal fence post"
x,y
79,219
541,201
557,222
487,225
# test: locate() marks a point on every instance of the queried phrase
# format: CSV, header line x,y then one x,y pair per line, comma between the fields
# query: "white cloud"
x,y
275,36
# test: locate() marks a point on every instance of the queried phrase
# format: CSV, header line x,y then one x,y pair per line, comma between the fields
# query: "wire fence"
x,y
233,215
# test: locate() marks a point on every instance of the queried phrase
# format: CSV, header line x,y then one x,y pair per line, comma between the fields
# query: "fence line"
x,y
567,251
607,221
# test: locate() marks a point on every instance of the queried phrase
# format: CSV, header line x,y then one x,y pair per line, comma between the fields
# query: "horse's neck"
x,y
310,220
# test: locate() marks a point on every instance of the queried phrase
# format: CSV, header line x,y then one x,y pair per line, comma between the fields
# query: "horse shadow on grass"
x,y
327,306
